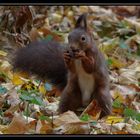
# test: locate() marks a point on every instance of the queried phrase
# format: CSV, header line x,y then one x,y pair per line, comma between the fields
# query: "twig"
x,y
52,121
87,108
12,34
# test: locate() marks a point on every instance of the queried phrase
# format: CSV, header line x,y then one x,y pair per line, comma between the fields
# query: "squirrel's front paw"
x,y
80,54
67,56
69,61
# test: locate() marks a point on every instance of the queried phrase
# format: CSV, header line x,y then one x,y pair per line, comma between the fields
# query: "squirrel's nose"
x,y
73,47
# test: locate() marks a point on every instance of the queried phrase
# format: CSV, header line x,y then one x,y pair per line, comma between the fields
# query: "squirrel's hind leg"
x,y
70,100
105,101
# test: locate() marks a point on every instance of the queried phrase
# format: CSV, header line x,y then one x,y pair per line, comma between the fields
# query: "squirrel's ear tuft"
x,y
82,21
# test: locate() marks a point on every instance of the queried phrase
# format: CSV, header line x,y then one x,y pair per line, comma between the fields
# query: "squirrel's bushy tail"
x,y
44,59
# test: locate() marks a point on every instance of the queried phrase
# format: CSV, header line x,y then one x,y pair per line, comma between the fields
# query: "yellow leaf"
x,y
29,86
117,63
3,128
42,89
18,78
2,53
117,95
114,119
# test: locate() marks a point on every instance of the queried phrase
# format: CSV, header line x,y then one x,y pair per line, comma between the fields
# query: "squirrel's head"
x,y
80,37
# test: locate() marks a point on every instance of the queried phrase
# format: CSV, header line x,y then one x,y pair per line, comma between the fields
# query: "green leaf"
x,y
3,90
138,116
45,118
49,37
128,112
132,113
93,123
117,104
85,117
37,100
109,62
26,97
26,113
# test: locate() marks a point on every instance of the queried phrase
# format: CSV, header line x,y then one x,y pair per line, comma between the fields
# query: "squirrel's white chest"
x,y
86,82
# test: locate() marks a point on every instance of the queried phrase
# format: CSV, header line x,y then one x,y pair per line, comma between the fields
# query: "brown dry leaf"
x,y
13,97
93,109
74,128
118,111
125,11
54,92
34,35
3,53
67,117
3,128
39,20
130,74
135,38
2,99
51,108
133,23
70,15
32,126
137,88
83,9
125,95
45,32
17,126
136,105
120,132
43,127
120,92
8,86
5,66
10,112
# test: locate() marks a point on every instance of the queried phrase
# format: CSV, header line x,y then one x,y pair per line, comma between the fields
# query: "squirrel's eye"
x,y
83,38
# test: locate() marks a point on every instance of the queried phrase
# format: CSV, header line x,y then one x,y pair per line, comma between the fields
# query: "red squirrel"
x,y
78,70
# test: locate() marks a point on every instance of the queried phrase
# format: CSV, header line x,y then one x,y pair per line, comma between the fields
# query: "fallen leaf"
x,y
3,128
2,53
114,119
74,128
93,110
42,89
18,78
120,132
67,117
17,126
43,127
